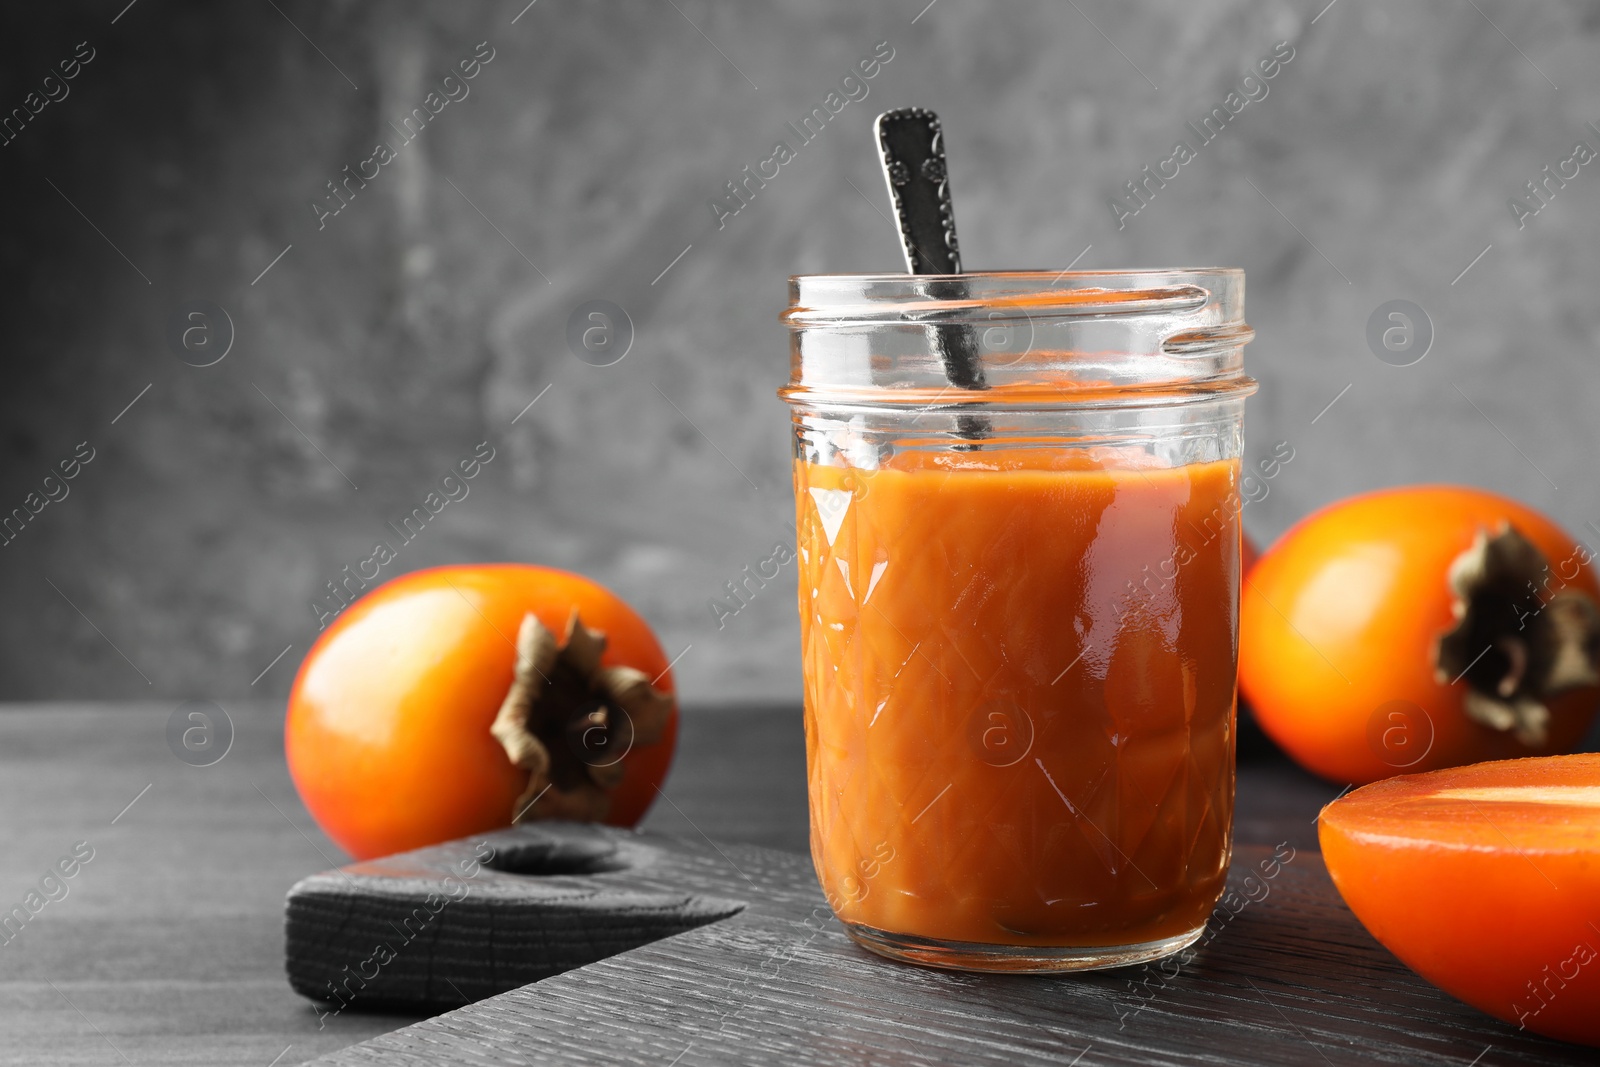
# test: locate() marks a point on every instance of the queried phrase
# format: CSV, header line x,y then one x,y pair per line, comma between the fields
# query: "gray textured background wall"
x,y
421,319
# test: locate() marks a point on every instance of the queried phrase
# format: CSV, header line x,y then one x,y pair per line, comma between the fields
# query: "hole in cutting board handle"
x,y
558,849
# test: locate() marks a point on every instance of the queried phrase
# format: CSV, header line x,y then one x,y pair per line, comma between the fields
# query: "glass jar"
x,y
1019,607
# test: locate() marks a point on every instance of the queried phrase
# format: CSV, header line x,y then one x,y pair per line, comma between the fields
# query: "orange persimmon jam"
x,y
1019,698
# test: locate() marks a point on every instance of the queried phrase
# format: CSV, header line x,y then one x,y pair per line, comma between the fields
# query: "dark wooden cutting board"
x,y
686,952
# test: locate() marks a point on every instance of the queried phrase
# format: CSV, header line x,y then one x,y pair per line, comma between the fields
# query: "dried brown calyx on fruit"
x,y
569,722
1523,635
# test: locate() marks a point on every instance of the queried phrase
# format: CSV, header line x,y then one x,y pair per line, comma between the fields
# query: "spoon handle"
x,y
911,146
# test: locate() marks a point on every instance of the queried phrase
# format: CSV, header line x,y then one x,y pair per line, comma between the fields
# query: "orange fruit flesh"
x,y
1485,880
1019,680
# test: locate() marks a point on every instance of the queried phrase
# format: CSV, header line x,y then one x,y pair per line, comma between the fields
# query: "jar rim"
x,y
845,300
1134,272
1034,338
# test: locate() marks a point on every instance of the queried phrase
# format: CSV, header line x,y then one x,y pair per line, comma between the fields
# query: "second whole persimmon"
x,y
392,732
1417,628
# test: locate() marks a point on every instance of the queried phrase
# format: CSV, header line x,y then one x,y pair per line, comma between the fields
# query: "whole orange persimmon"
x,y
1423,627
1483,880
447,702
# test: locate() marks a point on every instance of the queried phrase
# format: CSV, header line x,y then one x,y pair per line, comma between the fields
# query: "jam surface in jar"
x,y
1019,693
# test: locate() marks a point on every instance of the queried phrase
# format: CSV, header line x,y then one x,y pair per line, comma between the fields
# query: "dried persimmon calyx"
x,y
569,722
1514,648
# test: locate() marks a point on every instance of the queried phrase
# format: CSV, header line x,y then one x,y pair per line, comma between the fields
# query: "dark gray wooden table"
x,y
168,945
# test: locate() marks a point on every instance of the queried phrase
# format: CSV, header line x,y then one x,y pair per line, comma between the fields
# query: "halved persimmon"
x,y
1485,880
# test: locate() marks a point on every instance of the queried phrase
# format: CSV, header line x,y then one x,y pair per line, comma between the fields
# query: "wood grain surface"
x,y
169,948
1285,975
